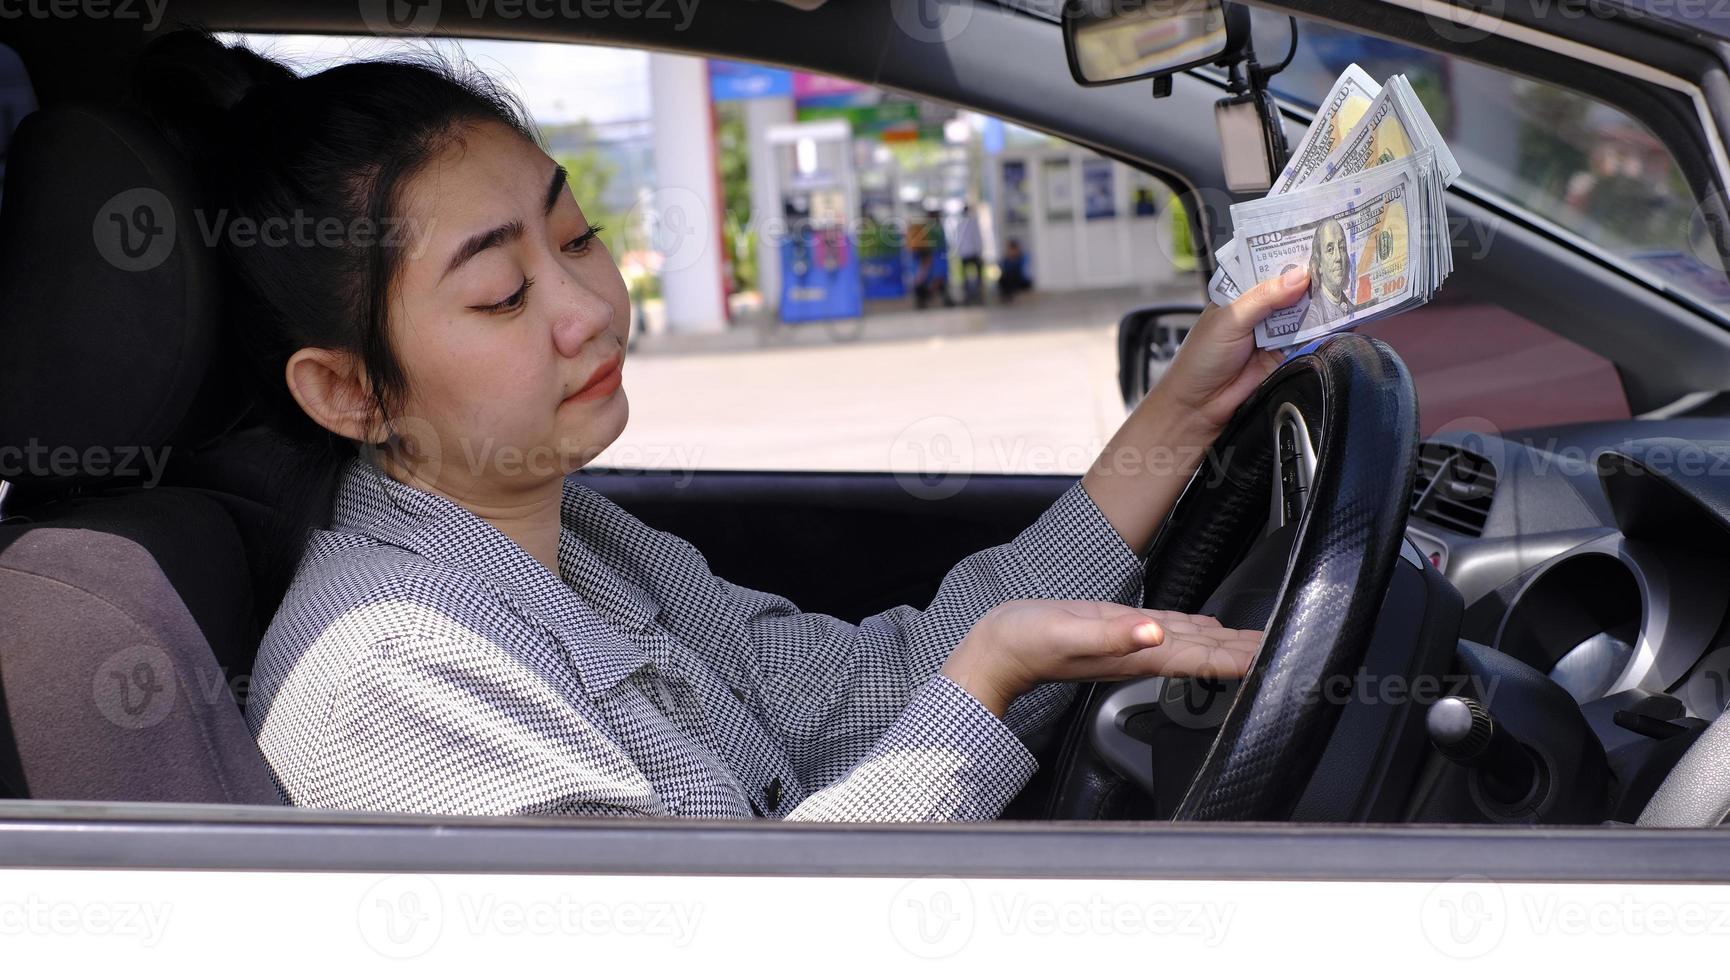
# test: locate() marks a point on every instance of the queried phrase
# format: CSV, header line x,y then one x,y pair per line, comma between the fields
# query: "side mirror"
x,y
1110,41
1147,337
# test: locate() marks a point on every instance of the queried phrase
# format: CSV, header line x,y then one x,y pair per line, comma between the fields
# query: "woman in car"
x,y
468,632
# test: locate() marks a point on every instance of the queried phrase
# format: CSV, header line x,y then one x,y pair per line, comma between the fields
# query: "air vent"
x,y
1454,488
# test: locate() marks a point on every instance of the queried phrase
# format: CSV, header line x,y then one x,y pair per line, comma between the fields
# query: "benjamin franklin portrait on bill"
x,y
1330,276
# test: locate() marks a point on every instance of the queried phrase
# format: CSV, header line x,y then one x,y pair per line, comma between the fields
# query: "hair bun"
x,y
187,81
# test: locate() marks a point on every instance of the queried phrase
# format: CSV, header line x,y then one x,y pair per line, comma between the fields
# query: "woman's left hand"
x,y
1218,365
1138,476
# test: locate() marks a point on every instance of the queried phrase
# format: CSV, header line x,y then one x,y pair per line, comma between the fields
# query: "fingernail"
x,y
1148,634
1294,276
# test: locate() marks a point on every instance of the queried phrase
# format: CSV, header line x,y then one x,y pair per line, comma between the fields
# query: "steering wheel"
x,y
1312,477
1696,793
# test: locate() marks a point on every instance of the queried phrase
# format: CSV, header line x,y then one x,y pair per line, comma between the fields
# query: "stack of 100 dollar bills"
x,y
1361,204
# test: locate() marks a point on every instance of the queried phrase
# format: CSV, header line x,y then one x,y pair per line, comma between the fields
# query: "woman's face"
x,y
509,318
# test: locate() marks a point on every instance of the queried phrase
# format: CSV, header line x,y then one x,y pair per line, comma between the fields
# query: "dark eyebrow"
x,y
504,233
554,187
481,242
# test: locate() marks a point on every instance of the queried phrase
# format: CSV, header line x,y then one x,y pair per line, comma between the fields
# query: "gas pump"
x,y
883,230
819,194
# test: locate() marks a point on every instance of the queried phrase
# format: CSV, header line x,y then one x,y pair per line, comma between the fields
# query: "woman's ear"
x,y
331,387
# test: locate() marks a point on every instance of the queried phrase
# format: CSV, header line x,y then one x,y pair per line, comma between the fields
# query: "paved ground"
x,y
1029,388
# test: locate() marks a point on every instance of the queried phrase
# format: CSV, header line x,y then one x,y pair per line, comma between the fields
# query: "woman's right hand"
x,y
1026,642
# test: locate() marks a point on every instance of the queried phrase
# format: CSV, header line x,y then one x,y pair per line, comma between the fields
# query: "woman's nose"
x,y
583,313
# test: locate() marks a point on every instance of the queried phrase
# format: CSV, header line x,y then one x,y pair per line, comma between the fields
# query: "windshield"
x,y
1550,153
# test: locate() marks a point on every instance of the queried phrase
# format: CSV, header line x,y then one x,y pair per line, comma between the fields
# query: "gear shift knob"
x,y
1465,732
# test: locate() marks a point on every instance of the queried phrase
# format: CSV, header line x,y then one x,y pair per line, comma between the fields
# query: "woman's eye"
x,y
580,244
509,303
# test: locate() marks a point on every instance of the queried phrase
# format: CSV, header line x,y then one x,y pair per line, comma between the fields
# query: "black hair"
x,y
303,155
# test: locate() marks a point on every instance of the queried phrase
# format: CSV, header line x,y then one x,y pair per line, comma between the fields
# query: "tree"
x,y
733,148
589,174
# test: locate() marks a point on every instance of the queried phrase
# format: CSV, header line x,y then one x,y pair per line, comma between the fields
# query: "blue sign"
x,y
884,276
735,80
991,136
820,278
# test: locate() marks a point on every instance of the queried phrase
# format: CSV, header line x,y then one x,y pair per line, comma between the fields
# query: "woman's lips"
x,y
602,383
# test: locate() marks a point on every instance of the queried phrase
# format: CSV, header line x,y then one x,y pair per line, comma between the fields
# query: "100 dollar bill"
x,y
1353,93
1395,126
1357,241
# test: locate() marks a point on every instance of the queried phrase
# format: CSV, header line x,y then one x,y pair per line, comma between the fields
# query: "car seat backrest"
x,y
127,613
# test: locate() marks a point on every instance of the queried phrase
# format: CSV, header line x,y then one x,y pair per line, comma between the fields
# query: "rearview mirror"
x,y
1111,41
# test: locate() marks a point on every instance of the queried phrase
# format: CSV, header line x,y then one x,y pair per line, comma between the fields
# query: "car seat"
x,y
129,610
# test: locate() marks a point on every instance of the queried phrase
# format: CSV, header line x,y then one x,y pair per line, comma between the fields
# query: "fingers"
x,y
1083,638
1191,649
1239,319
1111,629
1119,635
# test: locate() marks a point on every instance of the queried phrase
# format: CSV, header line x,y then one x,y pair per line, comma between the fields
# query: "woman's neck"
x,y
530,516
532,523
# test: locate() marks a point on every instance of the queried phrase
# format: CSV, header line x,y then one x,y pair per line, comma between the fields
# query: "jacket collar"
x,y
589,609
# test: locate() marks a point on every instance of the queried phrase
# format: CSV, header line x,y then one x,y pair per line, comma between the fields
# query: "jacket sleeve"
x,y
403,705
862,709
444,721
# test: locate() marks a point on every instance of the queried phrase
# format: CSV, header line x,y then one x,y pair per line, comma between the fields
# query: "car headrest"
x,y
109,301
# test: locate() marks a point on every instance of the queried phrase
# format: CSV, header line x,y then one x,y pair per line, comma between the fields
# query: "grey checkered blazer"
x,y
422,661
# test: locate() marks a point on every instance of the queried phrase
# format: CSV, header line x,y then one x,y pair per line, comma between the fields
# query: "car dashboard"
x,y
1597,553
